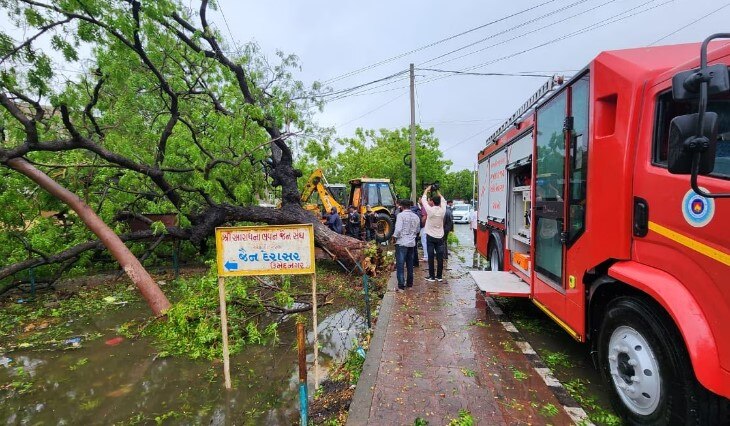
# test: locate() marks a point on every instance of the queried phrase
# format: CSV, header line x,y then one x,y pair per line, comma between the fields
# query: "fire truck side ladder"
x,y
535,99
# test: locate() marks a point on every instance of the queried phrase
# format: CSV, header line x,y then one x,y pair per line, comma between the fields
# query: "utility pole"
x,y
414,194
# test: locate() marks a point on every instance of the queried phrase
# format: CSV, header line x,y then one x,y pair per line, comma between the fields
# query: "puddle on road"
x,y
126,384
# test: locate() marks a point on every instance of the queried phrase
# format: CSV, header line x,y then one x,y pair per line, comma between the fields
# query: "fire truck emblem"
x,y
697,210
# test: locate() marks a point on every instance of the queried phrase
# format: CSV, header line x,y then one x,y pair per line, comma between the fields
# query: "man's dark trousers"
x,y
435,247
404,257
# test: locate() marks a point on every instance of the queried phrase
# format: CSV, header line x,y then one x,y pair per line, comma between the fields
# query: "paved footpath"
x,y
437,349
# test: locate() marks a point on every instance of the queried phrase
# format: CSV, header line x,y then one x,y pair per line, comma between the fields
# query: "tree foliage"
x,y
379,154
383,154
459,185
164,117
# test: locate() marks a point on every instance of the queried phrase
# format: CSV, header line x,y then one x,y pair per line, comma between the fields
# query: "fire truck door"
x,y
549,214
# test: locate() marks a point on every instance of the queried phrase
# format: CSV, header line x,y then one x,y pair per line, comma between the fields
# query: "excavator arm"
x,y
317,182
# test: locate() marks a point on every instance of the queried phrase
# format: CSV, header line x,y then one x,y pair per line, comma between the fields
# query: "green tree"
x,y
380,154
166,119
459,185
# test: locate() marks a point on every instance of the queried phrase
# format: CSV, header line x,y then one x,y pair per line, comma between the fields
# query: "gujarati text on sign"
x,y
265,250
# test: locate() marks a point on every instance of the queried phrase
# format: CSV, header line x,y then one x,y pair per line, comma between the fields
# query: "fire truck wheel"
x,y
383,227
494,261
648,369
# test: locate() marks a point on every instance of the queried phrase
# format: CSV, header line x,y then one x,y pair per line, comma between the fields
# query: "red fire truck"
x,y
602,201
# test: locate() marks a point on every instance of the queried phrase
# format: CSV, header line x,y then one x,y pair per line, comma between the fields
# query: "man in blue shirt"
x,y
407,225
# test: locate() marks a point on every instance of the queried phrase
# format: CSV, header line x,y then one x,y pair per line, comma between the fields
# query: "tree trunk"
x,y
137,273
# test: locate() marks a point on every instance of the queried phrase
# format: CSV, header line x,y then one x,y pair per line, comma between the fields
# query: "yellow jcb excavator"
x,y
376,193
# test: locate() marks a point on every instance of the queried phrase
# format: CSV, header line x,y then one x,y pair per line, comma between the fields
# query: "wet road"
x,y
569,360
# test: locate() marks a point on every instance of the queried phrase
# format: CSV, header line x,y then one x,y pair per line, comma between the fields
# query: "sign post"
x,y
265,250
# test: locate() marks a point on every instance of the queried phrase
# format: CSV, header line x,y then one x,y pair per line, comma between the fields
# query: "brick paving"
x,y
442,352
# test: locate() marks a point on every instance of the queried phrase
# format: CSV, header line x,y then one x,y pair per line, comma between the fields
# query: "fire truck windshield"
x,y
667,109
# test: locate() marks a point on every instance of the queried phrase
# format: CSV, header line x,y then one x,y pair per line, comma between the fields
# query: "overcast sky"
x,y
334,38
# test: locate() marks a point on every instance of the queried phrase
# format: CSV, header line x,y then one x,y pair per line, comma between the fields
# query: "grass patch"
x,y
464,419
21,384
514,405
468,372
478,323
556,359
81,362
596,413
518,374
549,410
507,346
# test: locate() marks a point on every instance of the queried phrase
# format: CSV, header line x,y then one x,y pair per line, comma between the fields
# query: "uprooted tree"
x,y
137,107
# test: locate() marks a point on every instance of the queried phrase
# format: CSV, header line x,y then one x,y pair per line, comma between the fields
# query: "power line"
x,y
233,40
517,37
688,25
372,110
600,24
486,73
523,24
499,33
393,58
359,86
370,91
468,138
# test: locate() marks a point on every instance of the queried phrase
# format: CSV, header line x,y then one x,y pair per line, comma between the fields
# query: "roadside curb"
x,y
570,405
362,401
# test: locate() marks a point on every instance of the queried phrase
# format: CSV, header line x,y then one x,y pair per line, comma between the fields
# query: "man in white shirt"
x,y
473,224
434,233
407,225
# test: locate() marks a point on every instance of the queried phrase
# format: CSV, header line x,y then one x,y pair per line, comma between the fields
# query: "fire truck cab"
x,y
587,207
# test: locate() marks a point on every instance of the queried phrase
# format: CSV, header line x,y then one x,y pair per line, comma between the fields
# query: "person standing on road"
x,y
448,226
417,212
473,225
369,224
407,224
434,233
353,223
424,216
334,222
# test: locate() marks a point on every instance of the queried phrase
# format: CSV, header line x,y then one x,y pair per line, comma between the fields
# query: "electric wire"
x,y
468,138
600,24
493,45
517,37
500,33
523,24
372,110
486,73
230,33
435,43
359,86
689,24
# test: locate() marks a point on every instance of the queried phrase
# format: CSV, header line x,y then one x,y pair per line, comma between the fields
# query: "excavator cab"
x,y
378,194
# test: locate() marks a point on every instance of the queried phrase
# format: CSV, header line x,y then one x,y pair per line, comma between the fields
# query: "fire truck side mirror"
x,y
686,84
685,142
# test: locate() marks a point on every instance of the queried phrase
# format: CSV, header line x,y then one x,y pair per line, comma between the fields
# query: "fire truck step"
x,y
500,284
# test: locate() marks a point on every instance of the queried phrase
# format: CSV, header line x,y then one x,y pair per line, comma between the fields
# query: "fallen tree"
x,y
166,119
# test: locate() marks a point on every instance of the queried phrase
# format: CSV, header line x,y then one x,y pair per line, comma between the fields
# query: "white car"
x,y
461,213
